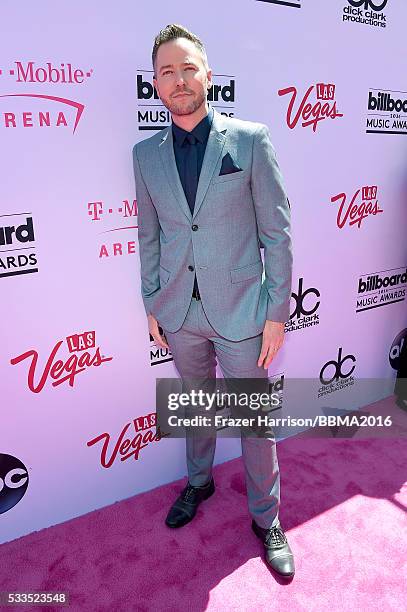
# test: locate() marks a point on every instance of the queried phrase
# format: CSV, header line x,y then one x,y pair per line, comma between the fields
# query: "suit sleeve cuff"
x,y
278,312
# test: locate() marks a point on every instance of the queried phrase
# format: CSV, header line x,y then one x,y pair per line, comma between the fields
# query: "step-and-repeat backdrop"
x,y
77,364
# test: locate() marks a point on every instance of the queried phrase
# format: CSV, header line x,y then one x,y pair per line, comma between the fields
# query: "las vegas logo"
x,y
310,112
134,436
59,369
362,204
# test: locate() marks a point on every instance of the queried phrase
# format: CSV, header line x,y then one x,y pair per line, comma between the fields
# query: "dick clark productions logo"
x,y
337,374
366,12
13,481
306,305
82,355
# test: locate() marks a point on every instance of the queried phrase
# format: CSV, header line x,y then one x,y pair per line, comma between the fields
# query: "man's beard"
x,y
188,106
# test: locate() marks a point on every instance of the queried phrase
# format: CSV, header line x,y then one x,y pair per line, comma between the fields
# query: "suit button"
x,y
191,268
194,228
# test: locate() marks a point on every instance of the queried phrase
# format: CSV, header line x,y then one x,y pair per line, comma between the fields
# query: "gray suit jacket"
x,y
234,216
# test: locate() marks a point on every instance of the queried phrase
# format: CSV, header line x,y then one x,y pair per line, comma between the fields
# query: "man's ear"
x,y
209,77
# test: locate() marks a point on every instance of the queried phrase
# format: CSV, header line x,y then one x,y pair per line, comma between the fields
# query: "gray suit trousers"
x,y
195,348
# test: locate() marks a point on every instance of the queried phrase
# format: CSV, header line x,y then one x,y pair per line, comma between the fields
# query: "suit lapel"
x,y
166,149
214,147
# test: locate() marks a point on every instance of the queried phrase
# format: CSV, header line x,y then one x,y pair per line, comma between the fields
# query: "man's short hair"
x,y
172,32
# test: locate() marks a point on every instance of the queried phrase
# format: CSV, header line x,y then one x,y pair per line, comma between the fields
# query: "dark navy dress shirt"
x,y
189,176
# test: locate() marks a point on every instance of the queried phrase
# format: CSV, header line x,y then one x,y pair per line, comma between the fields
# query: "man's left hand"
x,y
273,338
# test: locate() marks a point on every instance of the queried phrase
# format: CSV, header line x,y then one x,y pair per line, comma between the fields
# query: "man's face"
x,y
181,79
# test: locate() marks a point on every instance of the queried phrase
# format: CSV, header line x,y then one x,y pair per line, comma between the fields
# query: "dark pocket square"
x,y
228,165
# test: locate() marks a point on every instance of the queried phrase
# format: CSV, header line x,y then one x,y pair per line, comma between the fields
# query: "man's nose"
x,y
179,76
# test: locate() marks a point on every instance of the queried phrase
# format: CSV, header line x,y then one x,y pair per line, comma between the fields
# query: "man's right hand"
x,y
153,329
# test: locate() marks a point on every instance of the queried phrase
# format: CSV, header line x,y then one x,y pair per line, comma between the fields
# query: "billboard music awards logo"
x,y
223,408
306,304
317,104
103,217
153,115
276,386
30,109
381,288
396,347
159,354
386,112
59,369
13,481
367,12
362,204
336,374
134,436
17,235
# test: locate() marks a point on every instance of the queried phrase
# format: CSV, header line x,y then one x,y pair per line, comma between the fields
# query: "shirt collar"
x,y
200,131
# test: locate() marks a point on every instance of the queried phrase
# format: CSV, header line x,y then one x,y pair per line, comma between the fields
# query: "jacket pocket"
x,y
232,176
164,275
250,271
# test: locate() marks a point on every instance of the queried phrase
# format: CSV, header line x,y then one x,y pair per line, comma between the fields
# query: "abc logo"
x,y
299,300
395,349
13,481
369,3
337,368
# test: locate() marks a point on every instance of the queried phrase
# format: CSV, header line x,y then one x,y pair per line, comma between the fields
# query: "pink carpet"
x,y
343,507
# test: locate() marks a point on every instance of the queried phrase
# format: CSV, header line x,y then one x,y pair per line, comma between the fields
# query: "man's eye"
x,y
190,68
166,72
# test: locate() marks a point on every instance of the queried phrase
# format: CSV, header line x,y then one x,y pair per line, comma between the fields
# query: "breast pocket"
x,y
233,176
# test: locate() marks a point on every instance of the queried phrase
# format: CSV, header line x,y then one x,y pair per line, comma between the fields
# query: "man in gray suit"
x,y
210,194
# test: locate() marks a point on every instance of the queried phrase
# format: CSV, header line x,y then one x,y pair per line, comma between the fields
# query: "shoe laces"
x,y
276,537
189,492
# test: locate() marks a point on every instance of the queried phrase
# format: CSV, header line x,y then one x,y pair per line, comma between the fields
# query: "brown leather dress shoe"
x,y
278,552
185,506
